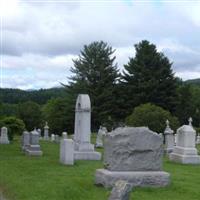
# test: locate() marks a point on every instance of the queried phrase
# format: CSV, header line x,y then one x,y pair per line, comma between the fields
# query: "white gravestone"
x,y
67,151
185,151
25,140
46,131
100,134
169,139
57,138
198,139
64,135
52,137
34,147
39,131
4,136
84,150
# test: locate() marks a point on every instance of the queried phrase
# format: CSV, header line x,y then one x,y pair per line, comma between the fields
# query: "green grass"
x,y
43,178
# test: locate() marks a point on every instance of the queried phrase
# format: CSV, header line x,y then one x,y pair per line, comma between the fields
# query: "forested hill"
x,y
15,96
194,81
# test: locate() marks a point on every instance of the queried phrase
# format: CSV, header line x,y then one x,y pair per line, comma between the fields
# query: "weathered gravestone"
x,y
34,147
57,138
52,137
46,131
99,139
67,151
121,191
25,140
169,139
133,155
84,150
198,139
4,136
185,152
64,135
39,132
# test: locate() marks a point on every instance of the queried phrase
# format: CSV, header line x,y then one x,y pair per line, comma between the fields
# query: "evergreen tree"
x,y
95,73
148,77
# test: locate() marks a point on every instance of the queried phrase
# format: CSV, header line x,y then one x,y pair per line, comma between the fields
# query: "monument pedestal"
x,y
108,178
185,155
87,155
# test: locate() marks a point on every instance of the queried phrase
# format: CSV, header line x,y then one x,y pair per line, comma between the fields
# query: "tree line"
x,y
115,94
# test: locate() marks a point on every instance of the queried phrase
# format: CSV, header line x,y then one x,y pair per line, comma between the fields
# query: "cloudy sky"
x,y
39,39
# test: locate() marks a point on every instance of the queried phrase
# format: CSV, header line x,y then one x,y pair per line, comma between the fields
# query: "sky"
x,y
40,38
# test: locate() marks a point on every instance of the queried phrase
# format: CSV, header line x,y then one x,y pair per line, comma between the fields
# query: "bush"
x,y
152,116
15,126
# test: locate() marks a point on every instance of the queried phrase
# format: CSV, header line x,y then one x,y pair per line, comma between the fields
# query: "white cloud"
x,y
40,41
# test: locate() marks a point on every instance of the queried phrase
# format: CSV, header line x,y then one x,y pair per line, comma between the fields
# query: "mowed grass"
x,y
44,178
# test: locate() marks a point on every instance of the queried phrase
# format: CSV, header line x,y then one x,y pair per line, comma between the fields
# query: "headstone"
x,y
52,138
39,132
84,150
185,152
4,136
64,135
34,147
198,139
190,121
99,139
25,140
169,139
57,138
121,191
46,131
133,155
67,151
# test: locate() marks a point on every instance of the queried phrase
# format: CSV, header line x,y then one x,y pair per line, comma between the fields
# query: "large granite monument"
x,y
4,136
84,150
133,155
185,152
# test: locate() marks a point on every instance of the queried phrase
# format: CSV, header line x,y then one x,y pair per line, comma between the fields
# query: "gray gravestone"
x,y
25,140
121,191
169,139
99,139
52,137
57,138
34,147
67,151
46,131
84,150
133,155
64,135
4,136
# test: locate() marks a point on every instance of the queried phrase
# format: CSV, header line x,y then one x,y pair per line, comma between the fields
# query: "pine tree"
x,y
148,77
95,73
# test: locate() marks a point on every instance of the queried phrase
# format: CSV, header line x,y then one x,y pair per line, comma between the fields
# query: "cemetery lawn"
x,y
43,178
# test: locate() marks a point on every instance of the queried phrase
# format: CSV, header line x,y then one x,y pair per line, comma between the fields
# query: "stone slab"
x,y
67,152
34,153
93,155
137,178
184,159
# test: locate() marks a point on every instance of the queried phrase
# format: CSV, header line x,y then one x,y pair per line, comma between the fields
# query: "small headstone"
x,y
34,147
84,150
52,138
4,136
198,139
46,131
185,152
57,138
64,135
99,139
67,151
169,139
25,140
121,191
133,155
39,132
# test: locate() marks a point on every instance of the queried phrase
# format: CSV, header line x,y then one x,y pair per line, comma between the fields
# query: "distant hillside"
x,y
193,81
14,96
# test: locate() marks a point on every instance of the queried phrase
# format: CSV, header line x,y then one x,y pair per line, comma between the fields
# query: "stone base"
x,y
184,159
135,178
91,155
34,153
4,142
168,151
